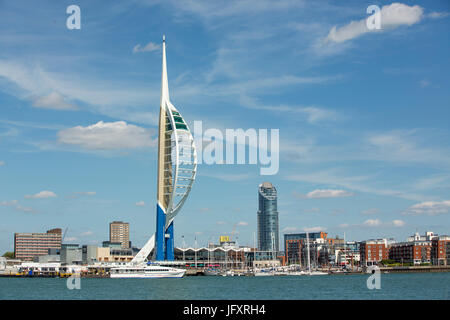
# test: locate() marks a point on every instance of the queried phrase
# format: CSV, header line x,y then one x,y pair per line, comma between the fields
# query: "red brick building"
x,y
375,250
440,250
414,252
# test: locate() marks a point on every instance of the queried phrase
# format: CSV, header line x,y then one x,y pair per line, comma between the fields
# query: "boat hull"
x,y
147,275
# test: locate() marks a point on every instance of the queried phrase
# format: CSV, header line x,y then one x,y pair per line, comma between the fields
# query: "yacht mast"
x,y
309,257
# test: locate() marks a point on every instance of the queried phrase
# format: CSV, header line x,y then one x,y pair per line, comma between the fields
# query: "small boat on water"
x,y
317,273
262,273
296,273
146,271
228,273
211,272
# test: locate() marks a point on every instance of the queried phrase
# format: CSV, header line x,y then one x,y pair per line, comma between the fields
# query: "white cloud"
x,y
406,146
326,193
24,209
115,99
76,195
370,211
424,83
431,182
289,229
392,16
314,229
9,203
2,163
398,223
438,15
220,223
42,195
313,114
149,47
86,193
372,223
87,233
107,136
312,210
359,183
430,208
53,101
16,206
140,203
242,223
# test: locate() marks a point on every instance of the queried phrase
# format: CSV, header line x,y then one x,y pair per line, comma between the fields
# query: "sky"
x,y
363,115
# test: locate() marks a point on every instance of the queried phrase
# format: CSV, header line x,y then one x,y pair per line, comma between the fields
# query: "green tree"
x,y
9,255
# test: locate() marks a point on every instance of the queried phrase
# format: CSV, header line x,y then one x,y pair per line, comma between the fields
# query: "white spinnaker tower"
x,y
177,168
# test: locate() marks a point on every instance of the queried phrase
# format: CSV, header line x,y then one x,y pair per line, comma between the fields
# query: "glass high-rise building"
x,y
268,239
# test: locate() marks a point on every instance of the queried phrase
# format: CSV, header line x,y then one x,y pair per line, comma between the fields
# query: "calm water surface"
x,y
393,286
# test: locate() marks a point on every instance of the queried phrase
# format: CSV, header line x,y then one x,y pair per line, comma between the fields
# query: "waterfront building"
x,y
103,254
374,250
29,245
411,252
71,254
295,247
346,257
120,232
109,244
89,254
48,258
419,249
267,216
215,256
177,167
428,236
121,255
227,254
440,250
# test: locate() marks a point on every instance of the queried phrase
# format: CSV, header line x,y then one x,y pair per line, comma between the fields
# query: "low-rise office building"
x,y
29,245
71,254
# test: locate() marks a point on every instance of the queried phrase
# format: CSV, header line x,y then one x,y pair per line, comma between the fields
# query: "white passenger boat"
x,y
151,271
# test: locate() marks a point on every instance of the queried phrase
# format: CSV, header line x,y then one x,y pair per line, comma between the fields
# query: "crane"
x,y
64,235
233,232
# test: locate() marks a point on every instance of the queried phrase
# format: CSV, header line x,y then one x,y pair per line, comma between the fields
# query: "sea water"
x,y
393,286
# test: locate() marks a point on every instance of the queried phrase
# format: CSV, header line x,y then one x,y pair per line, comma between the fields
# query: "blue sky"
x,y
363,115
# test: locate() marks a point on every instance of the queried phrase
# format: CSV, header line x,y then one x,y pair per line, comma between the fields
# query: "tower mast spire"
x,y
164,81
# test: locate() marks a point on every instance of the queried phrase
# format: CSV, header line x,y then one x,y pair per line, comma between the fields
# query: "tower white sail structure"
x,y
177,168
